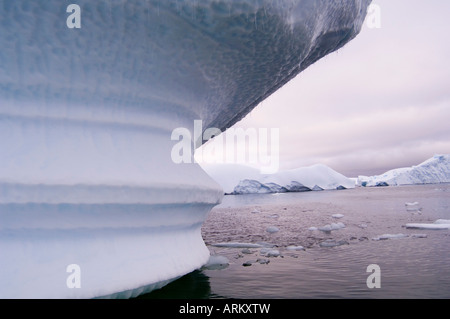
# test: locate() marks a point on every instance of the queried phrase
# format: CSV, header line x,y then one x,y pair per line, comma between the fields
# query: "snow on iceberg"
x,y
240,179
433,171
86,120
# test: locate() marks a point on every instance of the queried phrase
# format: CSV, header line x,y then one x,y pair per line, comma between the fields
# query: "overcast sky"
x,y
381,102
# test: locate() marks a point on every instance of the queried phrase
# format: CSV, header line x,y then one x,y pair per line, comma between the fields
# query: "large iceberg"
x,y
241,179
91,202
435,170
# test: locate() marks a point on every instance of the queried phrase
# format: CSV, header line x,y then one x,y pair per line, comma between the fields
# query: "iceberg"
x,y
251,187
433,171
240,179
91,202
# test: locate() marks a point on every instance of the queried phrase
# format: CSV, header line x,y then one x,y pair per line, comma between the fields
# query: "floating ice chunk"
x,y
413,207
237,245
390,236
246,251
330,227
326,228
256,211
295,248
216,262
363,226
312,228
332,243
337,226
412,204
268,252
263,261
274,216
419,235
272,229
337,216
273,253
266,245
428,226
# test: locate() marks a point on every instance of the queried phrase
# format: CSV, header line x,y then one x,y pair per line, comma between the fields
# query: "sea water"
x,y
325,264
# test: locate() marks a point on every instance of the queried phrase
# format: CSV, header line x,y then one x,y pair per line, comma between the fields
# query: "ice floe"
x,y
413,207
390,236
419,235
216,262
262,261
246,251
295,247
428,226
330,227
332,243
268,252
272,229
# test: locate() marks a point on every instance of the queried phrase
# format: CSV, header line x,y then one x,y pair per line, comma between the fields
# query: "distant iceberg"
x,y
433,171
240,179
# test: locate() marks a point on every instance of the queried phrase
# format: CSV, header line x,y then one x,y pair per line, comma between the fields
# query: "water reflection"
x,y
195,285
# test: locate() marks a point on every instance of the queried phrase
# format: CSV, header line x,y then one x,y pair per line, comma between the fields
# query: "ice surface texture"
x,y
86,117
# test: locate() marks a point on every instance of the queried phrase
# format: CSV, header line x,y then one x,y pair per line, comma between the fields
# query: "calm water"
x,y
411,267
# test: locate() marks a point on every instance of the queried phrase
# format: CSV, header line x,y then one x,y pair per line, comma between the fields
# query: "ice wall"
x,y
86,116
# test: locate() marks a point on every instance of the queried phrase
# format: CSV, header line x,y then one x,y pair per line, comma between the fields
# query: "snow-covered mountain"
x,y
240,179
433,171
